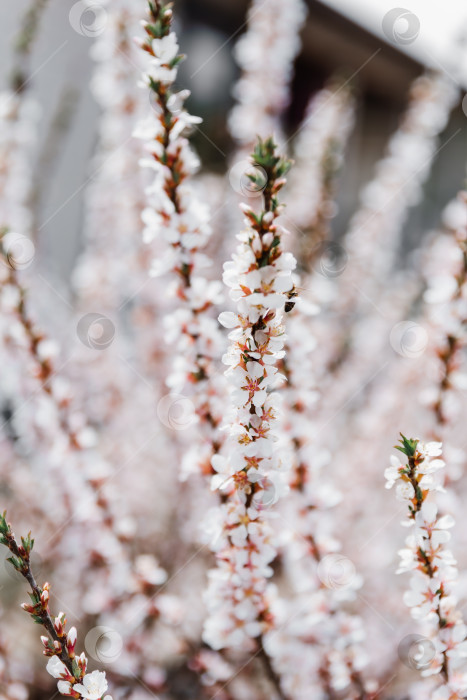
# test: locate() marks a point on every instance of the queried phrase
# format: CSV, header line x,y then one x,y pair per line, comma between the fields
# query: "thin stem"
x,y
41,612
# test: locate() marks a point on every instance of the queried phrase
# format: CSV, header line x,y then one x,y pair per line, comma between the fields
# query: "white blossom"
x,y
93,686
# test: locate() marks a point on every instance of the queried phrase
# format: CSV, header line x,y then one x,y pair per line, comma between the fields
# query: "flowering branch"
x,y
329,641
430,596
41,350
175,215
114,201
446,275
63,663
260,281
268,47
385,205
68,434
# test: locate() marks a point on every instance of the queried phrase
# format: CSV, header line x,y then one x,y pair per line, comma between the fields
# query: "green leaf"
x,y
76,669
155,30
16,562
4,529
27,542
408,446
177,60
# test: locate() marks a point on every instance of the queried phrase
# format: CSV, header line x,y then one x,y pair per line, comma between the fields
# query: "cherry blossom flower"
x,y
433,571
57,668
93,686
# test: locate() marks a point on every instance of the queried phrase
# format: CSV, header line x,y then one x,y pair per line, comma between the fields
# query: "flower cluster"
x,y
431,596
385,203
17,118
365,308
267,48
415,480
445,272
57,427
19,114
177,229
250,474
114,199
401,173
59,645
323,581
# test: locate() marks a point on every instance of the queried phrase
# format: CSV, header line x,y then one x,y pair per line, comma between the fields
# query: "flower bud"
x,y
71,642
59,624
28,608
246,209
64,688
82,662
279,183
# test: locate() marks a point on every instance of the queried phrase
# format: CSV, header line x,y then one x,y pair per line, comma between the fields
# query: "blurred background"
x,y
339,37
